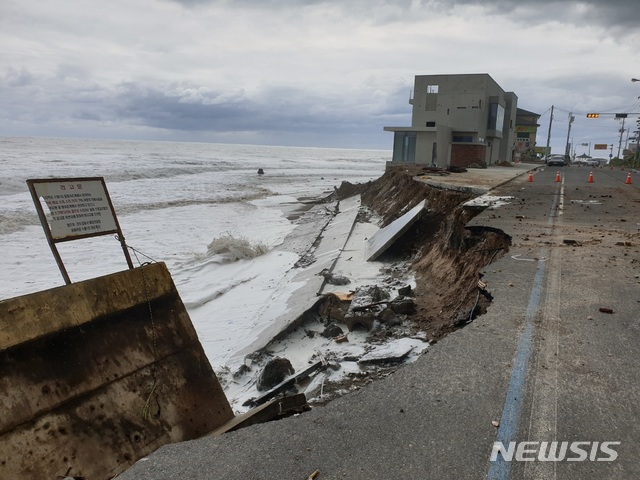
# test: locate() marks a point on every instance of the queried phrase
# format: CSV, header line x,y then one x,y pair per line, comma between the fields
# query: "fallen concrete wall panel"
x,y
386,236
98,374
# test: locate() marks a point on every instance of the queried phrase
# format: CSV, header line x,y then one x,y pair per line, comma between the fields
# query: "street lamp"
x,y
635,79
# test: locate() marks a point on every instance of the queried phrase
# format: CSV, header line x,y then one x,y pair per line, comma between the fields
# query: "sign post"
x,y
79,208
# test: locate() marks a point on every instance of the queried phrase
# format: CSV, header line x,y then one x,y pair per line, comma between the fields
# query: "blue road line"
x,y
499,469
508,429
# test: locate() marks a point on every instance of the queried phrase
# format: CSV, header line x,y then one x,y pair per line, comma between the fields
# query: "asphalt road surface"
x,y
575,377
544,364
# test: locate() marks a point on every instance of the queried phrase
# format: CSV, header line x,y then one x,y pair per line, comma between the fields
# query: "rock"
x,y
405,291
332,330
386,315
274,373
405,306
333,307
260,171
244,368
364,308
335,366
394,322
334,279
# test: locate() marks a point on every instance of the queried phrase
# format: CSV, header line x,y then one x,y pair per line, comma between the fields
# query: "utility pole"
x,y
637,155
546,154
621,132
566,148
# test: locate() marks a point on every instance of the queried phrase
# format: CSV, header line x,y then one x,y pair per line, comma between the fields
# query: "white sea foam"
x,y
230,248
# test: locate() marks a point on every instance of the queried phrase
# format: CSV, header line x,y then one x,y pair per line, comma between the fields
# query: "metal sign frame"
x,y
73,203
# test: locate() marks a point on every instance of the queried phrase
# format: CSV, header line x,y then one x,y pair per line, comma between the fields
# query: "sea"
x,y
201,208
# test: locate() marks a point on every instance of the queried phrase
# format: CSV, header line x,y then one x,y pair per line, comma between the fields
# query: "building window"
x,y
432,88
404,147
431,124
496,117
462,138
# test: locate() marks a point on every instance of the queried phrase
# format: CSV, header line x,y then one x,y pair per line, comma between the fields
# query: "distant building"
x,y
526,132
457,120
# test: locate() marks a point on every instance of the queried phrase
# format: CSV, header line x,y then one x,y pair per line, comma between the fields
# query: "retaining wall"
x,y
97,374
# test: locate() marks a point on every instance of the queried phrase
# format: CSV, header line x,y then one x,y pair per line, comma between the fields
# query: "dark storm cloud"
x,y
189,108
610,13
273,109
321,70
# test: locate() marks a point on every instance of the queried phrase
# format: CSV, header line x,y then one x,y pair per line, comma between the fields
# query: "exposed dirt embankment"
x,y
446,256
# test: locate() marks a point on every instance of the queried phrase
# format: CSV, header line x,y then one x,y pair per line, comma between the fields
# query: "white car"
x,y
596,162
558,160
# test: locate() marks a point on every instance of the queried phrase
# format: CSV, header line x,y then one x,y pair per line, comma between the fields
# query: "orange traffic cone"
x,y
530,179
558,179
590,177
628,180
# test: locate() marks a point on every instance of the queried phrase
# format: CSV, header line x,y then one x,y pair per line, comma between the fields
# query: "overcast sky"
x,y
305,72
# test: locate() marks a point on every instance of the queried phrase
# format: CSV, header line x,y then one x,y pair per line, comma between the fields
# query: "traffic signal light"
x,y
593,115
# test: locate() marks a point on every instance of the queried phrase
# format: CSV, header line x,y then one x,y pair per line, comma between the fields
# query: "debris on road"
x,y
313,475
392,352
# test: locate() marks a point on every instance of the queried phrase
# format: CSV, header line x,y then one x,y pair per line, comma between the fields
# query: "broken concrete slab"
x,y
386,236
394,351
488,201
278,317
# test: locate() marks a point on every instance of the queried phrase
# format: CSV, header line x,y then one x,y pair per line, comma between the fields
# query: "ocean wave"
x,y
218,292
227,196
11,186
230,249
17,222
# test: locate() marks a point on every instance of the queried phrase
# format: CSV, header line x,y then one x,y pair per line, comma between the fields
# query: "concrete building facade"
x,y
526,133
457,120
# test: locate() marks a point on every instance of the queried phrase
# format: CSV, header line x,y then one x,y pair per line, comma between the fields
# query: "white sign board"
x,y
77,208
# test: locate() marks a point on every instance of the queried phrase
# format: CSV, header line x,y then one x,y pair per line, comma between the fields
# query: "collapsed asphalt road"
x,y
543,364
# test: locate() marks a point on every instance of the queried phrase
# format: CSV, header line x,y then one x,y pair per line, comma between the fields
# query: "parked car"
x,y
596,162
557,160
